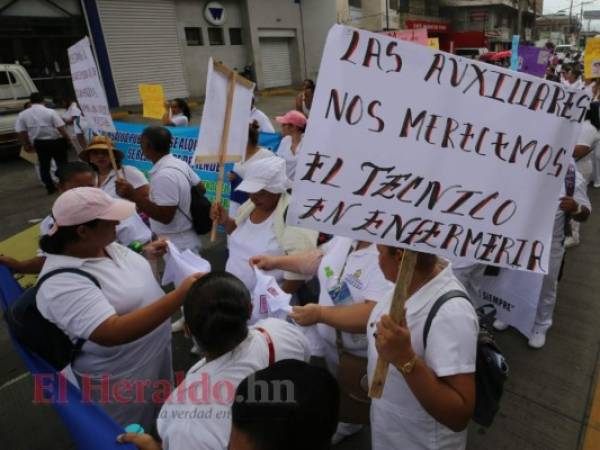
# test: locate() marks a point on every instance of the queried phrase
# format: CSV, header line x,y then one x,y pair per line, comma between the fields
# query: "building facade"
x,y
275,42
492,21
377,15
36,34
558,28
169,42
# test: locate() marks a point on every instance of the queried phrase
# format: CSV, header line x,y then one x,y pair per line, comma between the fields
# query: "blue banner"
x,y
88,424
127,139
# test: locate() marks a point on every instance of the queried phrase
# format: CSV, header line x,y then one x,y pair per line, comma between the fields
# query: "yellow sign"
x,y
591,60
434,43
153,99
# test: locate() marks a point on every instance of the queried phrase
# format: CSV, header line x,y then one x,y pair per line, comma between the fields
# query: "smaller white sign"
x,y
88,87
515,294
180,265
214,116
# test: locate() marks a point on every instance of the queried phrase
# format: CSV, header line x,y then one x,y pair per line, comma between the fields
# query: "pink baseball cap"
x,y
292,118
81,205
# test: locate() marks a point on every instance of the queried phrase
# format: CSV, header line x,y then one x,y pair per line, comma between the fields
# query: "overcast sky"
x,y
551,6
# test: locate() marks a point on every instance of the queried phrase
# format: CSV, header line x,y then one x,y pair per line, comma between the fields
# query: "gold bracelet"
x,y
407,367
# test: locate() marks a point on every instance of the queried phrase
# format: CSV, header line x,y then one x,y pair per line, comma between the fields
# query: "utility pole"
x,y
520,18
570,22
387,15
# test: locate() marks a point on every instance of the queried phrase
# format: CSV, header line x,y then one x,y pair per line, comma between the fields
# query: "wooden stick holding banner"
x,y
403,280
231,75
224,128
113,161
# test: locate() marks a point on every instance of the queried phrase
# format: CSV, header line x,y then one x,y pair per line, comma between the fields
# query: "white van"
x,y
15,88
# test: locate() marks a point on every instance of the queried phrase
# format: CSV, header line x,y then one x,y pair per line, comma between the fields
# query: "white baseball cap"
x,y
268,174
84,204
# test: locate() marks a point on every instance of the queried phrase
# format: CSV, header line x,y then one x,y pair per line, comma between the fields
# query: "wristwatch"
x,y
408,367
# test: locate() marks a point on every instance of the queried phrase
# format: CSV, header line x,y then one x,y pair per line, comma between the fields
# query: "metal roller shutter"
x,y
275,55
143,46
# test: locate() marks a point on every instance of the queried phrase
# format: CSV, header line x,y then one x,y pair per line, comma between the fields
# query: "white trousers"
x,y
545,309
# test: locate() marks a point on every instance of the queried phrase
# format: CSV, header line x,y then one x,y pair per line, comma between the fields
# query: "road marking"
x,y
14,380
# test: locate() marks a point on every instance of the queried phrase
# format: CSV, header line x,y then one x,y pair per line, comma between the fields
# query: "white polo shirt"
x,y
132,174
179,120
197,415
589,137
72,112
78,307
580,196
361,279
170,185
398,421
291,159
264,124
39,122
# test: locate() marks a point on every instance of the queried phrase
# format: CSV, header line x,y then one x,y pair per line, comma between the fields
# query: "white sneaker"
x,y
597,185
571,242
500,326
538,339
177,326
345,430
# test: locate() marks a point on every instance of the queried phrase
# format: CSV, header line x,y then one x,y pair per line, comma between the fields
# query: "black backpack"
x,y
491,369
38,334
199,208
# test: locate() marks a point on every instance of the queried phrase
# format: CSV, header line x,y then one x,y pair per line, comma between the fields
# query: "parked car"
x,y
15,88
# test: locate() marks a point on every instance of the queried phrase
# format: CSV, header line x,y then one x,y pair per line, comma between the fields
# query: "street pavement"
x,y
549,397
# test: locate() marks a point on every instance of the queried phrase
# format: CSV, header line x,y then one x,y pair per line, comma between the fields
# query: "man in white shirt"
x,y
264,124
170,198
41,130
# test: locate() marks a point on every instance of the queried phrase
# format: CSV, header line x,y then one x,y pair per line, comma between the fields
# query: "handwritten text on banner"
x,y
422,149
88,88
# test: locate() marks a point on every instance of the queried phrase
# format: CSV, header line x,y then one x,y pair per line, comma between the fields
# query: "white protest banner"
x,y
421,149
214,117
225,120
88,87
515,295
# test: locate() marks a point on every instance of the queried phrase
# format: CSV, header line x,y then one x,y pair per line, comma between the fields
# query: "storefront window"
x,y
235,36
403,6
215,36
193,36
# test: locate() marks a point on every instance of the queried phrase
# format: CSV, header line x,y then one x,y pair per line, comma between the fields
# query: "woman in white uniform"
x,y
588,143
305,98
578,207
132,229
125,321
72,118
178,113
348,274
259,227
429,394
293,124
253,153
197,414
